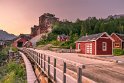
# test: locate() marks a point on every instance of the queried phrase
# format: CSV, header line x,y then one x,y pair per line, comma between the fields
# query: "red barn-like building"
x,y
95,44
118,40
21,40
63,37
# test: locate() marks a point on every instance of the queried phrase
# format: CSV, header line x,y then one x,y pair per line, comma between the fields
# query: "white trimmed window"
x,y
117,45
78,46
104,46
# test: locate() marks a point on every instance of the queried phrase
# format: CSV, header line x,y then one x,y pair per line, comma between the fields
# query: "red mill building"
x,y
45,24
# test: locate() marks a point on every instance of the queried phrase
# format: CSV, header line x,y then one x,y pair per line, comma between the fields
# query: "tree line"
x,y
91,25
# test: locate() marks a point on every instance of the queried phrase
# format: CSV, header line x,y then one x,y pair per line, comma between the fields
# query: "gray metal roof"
x,y
121,36
89,37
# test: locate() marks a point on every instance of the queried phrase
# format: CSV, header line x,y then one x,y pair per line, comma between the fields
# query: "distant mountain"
x,y
116,16
6,36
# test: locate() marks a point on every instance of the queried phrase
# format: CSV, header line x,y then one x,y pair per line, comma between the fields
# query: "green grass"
x,y
56,43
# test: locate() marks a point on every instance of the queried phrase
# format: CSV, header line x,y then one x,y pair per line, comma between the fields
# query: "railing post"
x,y
64,71
48,66
79,73
41,61
34,56
37,57
44,62
54,69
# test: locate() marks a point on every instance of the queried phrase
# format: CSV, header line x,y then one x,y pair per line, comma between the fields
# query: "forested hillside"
x,y
78,28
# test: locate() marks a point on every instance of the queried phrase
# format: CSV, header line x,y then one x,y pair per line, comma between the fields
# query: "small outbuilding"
x,y
21,40
95,44
118,40
63,37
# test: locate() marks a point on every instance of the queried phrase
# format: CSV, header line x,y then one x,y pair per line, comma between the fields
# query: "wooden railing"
x,y
49,65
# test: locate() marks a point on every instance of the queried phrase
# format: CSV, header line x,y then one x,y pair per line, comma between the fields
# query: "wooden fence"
x,y
48,64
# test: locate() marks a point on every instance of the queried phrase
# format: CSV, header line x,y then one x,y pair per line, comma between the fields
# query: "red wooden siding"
x,y
15,43
116,41
99,50
83,47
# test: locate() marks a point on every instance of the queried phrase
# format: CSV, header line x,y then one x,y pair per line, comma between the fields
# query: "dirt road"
x,y
97,70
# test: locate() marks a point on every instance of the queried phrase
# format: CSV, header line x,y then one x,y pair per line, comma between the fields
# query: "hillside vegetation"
x,y
10,70
76,29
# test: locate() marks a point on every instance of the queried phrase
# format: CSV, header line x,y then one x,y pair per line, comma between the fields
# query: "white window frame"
x,y
104,46
117,46
79,47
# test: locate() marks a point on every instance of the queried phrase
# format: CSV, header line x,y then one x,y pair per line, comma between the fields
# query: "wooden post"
x,y
41,61
44,62
79,73
64,71
39,58
54,69
48,66
35,56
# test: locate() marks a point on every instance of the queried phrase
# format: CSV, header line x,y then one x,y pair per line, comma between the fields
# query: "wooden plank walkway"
x,y
31,77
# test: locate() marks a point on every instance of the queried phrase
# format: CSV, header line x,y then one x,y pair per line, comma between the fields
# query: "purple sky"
x,y
17,16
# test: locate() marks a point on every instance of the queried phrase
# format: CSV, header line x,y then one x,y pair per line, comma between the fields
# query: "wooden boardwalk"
x,y
56,69
29,70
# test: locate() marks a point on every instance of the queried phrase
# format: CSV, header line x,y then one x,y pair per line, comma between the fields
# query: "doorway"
x,y
19,44
88,48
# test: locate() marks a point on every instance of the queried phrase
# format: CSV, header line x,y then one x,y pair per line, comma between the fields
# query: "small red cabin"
x,y
95,44
118,40
21,40
63,37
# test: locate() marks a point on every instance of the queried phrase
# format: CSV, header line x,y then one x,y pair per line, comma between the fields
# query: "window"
x,y
104,46
78,46
117,44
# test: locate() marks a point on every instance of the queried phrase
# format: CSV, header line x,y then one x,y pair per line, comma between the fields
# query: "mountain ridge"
x,y
6,36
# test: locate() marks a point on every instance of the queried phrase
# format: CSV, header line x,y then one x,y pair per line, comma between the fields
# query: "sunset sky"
x,y
17,16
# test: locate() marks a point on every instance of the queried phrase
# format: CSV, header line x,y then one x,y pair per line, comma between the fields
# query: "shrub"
x,y
55,42
118,52
14,49
42,42
12,73
3,54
